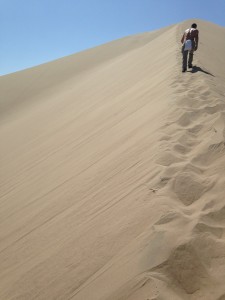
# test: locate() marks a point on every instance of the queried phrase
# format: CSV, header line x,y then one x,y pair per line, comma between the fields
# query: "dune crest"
x,y
112,173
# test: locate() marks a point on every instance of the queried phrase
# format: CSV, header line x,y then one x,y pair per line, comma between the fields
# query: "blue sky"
x,y
37,31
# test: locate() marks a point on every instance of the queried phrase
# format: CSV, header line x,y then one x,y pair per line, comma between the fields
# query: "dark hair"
x,y
194,25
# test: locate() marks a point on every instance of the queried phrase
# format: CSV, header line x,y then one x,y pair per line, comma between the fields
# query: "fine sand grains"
x,y
112,173
194,142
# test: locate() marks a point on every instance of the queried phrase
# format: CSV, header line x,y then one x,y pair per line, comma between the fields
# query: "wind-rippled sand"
x,y
113,173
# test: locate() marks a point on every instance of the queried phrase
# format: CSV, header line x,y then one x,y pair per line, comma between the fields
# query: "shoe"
x,y
184,70
190,66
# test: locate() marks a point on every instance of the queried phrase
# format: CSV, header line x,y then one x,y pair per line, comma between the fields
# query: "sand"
x,y
112,173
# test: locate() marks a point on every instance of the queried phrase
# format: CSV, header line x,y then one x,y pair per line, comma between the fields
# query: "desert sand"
x,y
113,173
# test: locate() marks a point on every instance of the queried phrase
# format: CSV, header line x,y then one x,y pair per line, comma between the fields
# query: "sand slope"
x,y
112,173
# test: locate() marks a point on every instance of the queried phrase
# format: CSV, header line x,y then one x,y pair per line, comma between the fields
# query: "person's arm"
x,y
182,40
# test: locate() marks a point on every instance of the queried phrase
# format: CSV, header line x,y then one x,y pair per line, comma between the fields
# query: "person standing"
x,y
190,44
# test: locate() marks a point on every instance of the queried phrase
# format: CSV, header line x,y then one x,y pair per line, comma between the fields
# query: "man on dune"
x,y
190,44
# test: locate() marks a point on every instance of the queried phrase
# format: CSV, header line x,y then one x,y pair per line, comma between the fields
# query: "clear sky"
x,y
37,31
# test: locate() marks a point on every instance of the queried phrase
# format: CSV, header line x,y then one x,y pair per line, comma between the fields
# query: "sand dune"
x,y
112,173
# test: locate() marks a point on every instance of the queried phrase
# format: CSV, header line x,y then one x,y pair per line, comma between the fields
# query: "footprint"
x,y
218,148
206,93
195,129
185,120
187,140
190,102
214,109
215,217
209,205
189,187
181,149
165,138
185,268
203,228
209,156
167,158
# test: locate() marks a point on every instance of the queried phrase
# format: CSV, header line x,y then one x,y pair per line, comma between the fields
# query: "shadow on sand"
x,y
196,69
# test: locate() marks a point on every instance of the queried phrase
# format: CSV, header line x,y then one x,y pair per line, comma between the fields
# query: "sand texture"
x,y
112,181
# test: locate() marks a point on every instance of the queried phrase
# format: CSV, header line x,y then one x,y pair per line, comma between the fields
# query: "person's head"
x,y
194,25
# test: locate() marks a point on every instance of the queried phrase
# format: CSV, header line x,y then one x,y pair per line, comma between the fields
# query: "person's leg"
x,y
191,54
190,59
185,55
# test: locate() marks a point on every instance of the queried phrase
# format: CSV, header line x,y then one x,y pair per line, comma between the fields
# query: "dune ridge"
x,y
112,173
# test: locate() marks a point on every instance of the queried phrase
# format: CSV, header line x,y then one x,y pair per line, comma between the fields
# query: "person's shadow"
x,y
196,69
